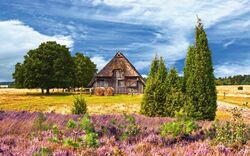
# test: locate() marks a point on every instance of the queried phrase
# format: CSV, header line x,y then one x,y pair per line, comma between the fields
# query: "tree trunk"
x,y
42,91
47,91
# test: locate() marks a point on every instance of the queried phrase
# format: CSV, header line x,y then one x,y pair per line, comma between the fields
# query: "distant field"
x,y
241,101
234,90
33,100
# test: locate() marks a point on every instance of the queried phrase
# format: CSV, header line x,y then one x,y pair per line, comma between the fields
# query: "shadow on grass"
x,y
50,94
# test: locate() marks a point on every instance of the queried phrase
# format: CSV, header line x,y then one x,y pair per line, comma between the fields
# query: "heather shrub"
x,y
71,143
182,126
79,106
234,133
99,91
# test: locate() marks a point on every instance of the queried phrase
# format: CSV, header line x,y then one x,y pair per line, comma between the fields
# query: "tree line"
x,y
166,93
52,66
234,80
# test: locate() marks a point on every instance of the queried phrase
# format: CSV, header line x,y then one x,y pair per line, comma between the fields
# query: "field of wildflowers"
x,y
25,133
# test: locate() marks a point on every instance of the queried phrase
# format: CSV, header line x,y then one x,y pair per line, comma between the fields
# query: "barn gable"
x,y
120,74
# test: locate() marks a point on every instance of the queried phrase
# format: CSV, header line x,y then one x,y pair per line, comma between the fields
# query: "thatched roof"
x,y
119,61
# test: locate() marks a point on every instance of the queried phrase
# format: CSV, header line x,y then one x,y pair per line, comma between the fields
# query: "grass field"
x,y
241,101
32,100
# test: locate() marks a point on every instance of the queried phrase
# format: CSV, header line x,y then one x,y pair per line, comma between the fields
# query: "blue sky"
x,y
139,28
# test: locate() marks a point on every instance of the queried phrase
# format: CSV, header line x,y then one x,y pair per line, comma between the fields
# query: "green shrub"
x,y
43,152
79,106
71,143
233,133
39,122
91,139
71,124
86,124
182,126
132,128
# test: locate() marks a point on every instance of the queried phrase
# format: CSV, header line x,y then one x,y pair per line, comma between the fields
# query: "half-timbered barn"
x,y
120,74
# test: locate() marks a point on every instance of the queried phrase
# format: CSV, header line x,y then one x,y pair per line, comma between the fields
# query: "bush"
x,y
86,124
91,139
233,133
39,122
43,152
182,126
240,88
79,106
99,91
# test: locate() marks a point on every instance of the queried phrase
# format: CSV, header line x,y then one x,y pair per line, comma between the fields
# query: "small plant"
x,y
39,122
79,106
132,129
86,124
91,139
43,152
233,133
182,126
71,124
70,142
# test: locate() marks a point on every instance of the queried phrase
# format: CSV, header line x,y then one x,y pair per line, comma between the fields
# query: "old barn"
x,y
120,74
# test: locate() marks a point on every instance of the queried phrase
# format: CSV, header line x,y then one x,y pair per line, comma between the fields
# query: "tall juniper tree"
x,y
160,92
148,103
199,78
175,99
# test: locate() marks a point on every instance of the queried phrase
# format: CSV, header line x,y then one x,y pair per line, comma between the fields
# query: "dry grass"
x,y
32,100
232,90
241,101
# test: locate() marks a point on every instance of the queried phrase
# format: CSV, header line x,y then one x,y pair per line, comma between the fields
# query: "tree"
x,y
175,99
48,66
199,78
18,75
161,88
84,70
148,102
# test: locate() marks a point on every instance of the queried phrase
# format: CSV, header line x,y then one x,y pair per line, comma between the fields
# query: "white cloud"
x,y
99,61
142,64
229,69
16,39
229,43
175,19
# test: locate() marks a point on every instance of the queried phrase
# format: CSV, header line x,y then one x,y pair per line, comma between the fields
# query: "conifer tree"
x,y
175,98
161,89
148,103
199,78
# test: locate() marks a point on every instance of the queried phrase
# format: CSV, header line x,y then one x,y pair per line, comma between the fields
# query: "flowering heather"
x,y
17,137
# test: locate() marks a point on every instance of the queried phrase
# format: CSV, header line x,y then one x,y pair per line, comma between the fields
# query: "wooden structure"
x,y
120,74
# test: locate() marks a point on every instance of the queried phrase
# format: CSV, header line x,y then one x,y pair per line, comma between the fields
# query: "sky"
x,y
140,29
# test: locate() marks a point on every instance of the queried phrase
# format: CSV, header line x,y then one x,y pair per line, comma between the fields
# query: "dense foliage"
x,y
232,133
84,70
51,66
166,93
234,80
182,126
199,79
